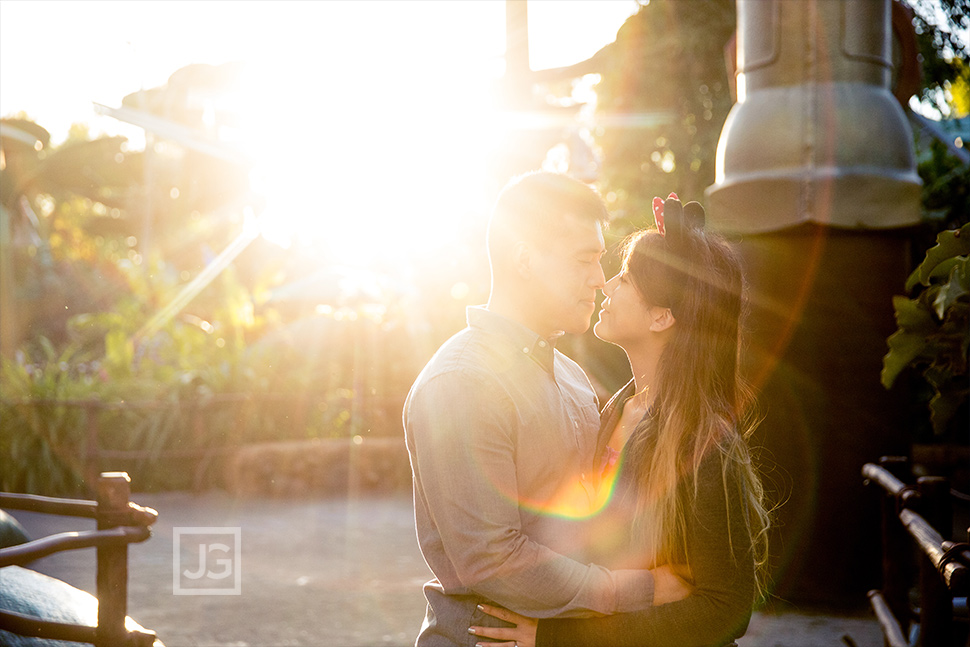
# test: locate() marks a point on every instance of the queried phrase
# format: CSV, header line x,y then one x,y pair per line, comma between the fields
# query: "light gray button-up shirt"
x,y
500,428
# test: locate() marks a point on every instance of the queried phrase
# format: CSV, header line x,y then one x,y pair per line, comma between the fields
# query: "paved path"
x,y
320,573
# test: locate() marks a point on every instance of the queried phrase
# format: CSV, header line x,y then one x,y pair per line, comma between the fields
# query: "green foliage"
x,y
662,99
194,387
39,445
50,396
933,335
945,198
933,327
667,66
941,29
219,369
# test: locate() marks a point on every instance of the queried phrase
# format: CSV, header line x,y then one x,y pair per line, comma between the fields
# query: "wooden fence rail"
x,y
119,523
914,516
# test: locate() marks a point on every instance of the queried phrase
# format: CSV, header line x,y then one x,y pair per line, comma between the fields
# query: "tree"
x,y
58,202
931,343
666,85
944,54
944,89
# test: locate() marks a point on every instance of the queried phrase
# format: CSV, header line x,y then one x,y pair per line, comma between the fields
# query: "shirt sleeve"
x,y
720,555
462,441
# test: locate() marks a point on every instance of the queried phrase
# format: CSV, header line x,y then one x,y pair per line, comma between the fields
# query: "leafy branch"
x,y
933,335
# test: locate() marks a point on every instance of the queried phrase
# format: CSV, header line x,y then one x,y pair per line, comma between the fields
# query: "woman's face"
x,y
624,318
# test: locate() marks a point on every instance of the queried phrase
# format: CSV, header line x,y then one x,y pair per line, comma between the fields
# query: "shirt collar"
x,y
525,340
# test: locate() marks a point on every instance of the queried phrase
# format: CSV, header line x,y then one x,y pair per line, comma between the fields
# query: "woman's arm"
x,y
720,556
670,586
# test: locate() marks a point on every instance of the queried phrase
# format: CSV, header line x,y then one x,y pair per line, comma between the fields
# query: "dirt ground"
x,y
316,573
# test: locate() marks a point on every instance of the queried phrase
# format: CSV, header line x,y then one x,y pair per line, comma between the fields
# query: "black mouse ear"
x,y
694,216
673,220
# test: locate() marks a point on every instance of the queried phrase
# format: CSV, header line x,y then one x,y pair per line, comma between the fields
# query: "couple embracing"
x,y
548,522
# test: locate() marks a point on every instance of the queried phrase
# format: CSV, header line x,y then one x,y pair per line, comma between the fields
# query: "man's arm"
x,y
462,442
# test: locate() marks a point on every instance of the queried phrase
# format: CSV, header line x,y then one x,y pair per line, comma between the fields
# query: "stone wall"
x,y
318,467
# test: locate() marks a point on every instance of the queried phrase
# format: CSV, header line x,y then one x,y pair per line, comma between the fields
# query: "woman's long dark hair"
x,y
702,402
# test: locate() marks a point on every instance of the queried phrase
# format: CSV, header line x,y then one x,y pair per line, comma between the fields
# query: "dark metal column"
x,y
816,181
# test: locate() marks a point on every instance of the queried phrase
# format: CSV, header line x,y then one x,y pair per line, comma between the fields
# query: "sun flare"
x,y
388,168
367,125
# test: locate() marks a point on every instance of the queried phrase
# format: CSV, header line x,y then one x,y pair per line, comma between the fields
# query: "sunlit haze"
x,y
351,112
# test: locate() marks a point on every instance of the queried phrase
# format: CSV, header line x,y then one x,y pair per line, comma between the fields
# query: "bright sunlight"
x,y
354,116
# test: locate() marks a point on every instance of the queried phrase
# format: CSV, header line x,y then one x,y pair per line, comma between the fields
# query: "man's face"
x,y
566,273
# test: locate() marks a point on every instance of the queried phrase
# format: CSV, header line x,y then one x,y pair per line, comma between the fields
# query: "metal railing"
x,y
119,523
910,517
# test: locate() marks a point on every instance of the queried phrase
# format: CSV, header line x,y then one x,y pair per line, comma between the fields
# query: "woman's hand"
x,y
523,634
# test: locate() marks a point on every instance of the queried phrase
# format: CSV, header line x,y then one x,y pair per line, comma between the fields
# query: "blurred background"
x,y
233,233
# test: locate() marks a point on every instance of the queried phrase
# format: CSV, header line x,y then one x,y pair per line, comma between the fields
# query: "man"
x,y
501,429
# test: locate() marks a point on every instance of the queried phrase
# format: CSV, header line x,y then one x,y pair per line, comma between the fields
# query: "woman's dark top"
x,y
719,552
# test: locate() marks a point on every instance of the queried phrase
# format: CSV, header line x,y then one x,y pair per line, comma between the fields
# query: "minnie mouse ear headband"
x,y
674,222
674,219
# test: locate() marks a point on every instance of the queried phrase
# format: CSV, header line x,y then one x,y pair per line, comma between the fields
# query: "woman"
x,y
686,491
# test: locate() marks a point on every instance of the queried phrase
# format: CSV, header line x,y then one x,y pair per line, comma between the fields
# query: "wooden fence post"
x,y
936,602
114,490
896,571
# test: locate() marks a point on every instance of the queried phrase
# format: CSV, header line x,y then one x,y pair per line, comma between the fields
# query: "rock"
x,y
11,532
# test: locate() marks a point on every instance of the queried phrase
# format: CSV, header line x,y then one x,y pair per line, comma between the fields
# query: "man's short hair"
x,y
533,206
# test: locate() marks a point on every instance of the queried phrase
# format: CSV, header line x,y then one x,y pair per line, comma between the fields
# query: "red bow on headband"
x,y
658,212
